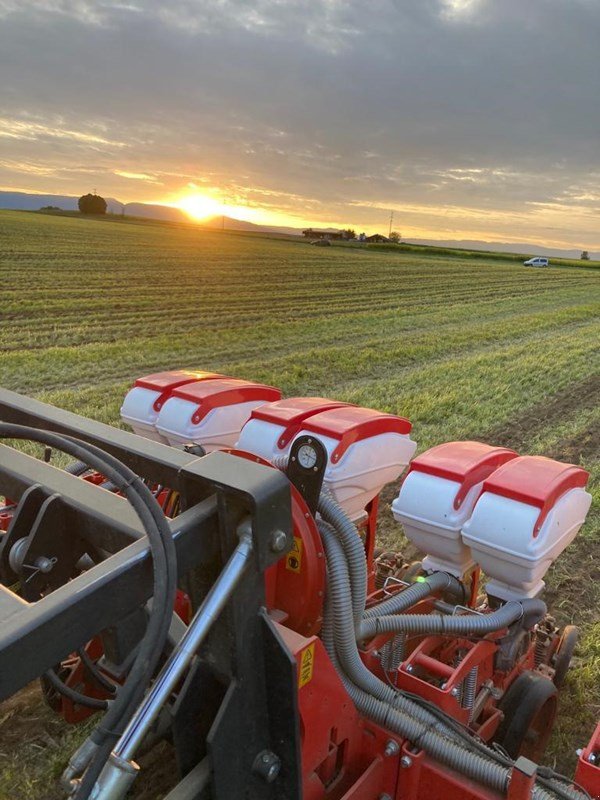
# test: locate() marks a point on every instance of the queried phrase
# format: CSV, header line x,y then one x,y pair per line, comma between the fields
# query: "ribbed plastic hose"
x,y
339,634
464,625
354,550
436,583
383,705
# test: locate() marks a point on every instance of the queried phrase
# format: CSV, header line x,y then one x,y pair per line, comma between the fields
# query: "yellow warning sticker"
x,y
293,560
307,663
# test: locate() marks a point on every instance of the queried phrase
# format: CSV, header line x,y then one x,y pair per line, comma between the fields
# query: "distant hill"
x,y
155,212
231,224
24,201
500,247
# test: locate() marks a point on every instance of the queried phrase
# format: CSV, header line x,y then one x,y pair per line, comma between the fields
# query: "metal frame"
x,y
243,660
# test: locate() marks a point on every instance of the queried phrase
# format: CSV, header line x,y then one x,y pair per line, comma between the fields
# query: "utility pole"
x,y
391,220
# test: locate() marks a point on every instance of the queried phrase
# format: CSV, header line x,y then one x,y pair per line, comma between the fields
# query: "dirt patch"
x,y
518,431
580,448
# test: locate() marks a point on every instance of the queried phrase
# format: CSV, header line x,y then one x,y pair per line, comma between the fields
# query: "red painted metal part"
x,y
296,584
343,755
346,757
587,773
74,674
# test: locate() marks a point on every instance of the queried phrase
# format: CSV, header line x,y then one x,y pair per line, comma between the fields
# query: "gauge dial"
x,y
307,456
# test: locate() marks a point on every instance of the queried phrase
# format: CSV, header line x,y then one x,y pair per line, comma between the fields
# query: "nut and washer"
x,y
267,765
392,748
278,542
406,762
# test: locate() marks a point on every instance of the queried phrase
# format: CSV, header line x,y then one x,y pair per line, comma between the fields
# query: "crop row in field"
x,y
471,348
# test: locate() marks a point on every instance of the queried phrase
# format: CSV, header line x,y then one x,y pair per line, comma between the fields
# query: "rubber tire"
x,y
564,654
521,704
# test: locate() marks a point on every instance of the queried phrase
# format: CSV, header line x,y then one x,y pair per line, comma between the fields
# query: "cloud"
x,y
318,105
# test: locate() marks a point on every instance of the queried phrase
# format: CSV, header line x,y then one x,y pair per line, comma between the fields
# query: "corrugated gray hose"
x,y
339,638
382,704
354,549
431,584
464,625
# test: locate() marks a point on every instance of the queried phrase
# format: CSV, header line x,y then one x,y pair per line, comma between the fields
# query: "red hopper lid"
x,y
211,394
351,424
166,382
537,481
467,463
291,413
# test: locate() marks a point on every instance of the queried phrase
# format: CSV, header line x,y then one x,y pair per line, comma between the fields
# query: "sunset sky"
x,y
470,118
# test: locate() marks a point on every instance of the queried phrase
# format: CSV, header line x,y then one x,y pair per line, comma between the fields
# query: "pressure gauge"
x,y
307,456
306,468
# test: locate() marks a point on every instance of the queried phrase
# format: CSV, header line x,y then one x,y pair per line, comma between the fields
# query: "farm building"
x,y
377,237
311,233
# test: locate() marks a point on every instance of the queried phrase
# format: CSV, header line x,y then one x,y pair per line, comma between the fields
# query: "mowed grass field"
x,y
476,348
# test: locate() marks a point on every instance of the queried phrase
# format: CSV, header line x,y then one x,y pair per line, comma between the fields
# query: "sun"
x,y
200,206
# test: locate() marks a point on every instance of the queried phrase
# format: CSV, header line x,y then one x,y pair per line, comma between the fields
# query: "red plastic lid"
x,y
291,413
537,481
351,424
166,382
467,463
211,394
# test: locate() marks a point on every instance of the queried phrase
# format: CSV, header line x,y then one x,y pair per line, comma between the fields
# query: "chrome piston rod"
x,y
118,774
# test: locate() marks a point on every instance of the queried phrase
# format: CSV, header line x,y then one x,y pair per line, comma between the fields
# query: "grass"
x,y
459,252
473,346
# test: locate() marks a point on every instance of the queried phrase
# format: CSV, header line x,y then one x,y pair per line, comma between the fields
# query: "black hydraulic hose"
x,y
73,694
530,610
105,734
76,468
93,670
165,574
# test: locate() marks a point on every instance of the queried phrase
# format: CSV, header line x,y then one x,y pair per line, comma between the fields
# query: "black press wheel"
x,y
564,654
529,707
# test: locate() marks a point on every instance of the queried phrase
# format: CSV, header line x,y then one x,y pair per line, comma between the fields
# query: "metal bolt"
x,y
579,752
45,564
443,686
278,542
592,758
267,765
384,797
406,762
410,668
392,748
455,691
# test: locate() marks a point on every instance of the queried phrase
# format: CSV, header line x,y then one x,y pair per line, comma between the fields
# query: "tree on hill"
x,y
92,204
50,208
395,237
349,234
585,256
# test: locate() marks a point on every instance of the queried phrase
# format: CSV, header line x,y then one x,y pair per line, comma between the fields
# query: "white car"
x,y
538,261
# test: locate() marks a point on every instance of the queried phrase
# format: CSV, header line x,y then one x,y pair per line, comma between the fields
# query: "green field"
x,y
478,348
